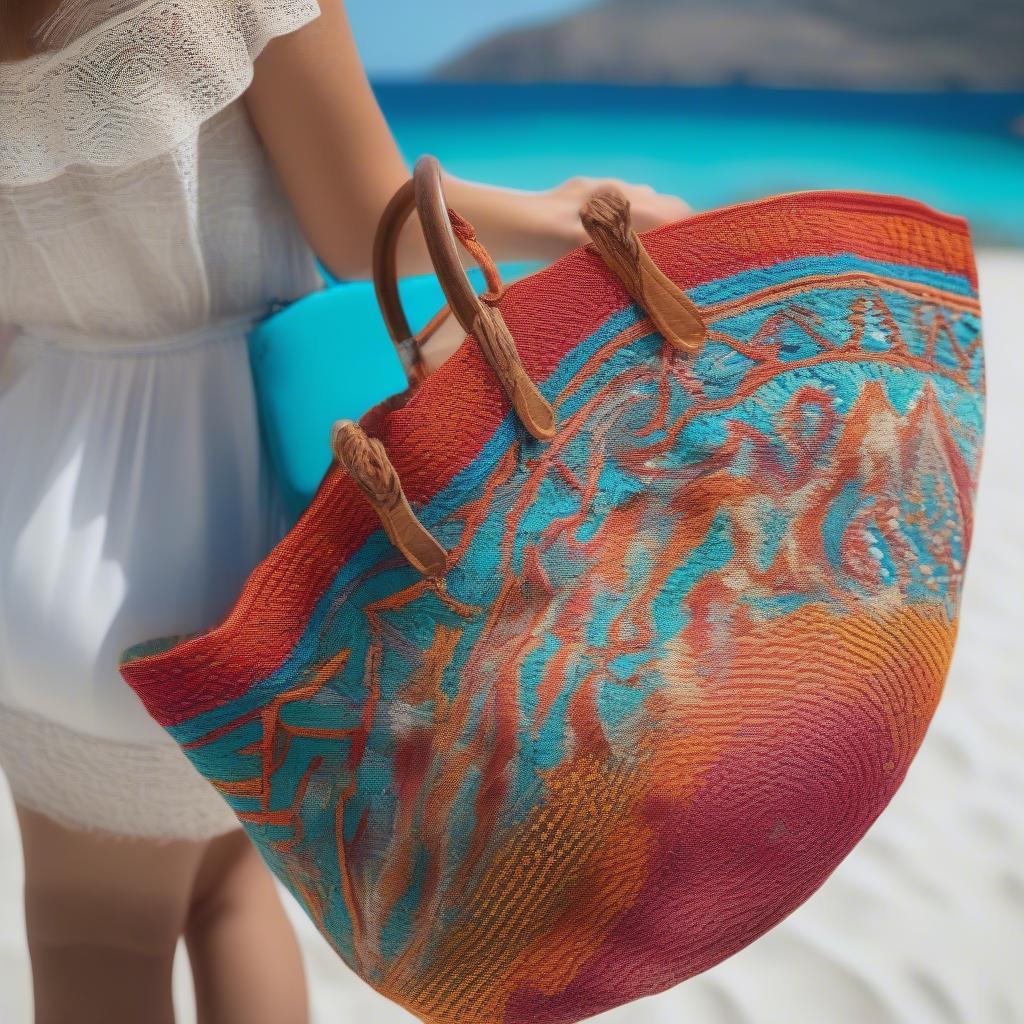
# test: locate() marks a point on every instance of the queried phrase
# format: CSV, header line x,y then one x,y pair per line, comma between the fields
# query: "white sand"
x,y
924,921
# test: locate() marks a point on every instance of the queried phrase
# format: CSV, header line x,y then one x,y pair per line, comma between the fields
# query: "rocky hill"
x,y
877,44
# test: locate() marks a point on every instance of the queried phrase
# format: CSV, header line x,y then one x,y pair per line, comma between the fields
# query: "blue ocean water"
x,y
960,152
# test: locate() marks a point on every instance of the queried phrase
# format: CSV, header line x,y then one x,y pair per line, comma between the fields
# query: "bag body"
x,y
682,653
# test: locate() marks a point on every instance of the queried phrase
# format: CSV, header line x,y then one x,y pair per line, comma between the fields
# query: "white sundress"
x,y
142,232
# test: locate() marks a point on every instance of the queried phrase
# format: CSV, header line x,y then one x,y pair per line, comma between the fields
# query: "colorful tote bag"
x,y
601,646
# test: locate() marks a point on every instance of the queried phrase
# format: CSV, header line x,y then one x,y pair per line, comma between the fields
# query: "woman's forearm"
x,y
313,107
518,225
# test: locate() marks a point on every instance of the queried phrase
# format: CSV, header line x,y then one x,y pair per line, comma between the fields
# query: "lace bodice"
x,y
135,196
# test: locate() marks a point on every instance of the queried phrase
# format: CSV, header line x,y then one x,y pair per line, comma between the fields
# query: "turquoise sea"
x,y
960,152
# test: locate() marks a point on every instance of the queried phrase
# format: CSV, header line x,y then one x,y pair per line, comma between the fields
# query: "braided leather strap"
x,y
366,461
606,219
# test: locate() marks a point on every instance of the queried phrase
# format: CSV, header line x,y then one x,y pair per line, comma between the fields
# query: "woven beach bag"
x,y
603,644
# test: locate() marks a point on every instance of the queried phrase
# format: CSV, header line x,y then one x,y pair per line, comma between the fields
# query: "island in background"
x,y
842,44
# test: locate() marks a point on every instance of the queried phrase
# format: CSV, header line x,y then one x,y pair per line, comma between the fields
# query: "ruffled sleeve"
x,y
135,85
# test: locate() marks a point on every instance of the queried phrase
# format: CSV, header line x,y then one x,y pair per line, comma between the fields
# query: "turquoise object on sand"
x,y
325,357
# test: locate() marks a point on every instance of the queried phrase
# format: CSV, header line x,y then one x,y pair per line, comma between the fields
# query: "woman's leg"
x,y
103,915
245,958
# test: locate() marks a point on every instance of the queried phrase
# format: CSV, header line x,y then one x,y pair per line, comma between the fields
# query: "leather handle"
x,y
425,194
385,269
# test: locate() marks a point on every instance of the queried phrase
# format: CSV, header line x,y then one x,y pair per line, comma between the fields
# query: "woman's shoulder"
x,y
116,82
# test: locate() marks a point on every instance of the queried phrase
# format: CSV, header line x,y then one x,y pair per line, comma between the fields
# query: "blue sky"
x,y
399,38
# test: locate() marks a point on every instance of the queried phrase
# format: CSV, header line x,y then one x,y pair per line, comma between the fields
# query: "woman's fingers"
x,y
652,209
649,208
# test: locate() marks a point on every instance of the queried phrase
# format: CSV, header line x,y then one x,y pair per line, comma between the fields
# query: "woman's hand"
x,y
559,207
516,225
539,225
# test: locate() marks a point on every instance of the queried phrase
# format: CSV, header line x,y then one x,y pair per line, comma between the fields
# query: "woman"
x,y
167,168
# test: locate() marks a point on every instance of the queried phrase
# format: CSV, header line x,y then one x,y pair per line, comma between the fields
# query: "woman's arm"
x,y
339,164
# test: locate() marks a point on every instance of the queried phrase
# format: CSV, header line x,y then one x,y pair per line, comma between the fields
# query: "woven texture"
x,y
686,650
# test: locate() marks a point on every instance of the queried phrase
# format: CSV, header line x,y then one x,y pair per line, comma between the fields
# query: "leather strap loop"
x,y
606,218
499,348
366,462
425,194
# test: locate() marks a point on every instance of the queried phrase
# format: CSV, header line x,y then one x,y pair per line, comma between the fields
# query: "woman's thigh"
x,y
103,916
246,963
